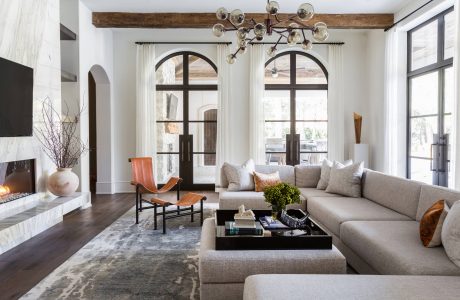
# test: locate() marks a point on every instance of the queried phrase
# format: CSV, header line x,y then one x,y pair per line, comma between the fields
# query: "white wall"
x,y
29,35
96,49
373,122
357,93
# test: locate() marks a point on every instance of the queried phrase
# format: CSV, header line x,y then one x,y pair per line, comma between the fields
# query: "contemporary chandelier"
x,y
248,31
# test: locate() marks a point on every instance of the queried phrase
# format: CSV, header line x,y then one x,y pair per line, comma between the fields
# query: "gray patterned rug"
x,y
129,261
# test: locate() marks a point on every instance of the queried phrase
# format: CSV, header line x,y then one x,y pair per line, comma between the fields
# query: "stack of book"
x,y
232,229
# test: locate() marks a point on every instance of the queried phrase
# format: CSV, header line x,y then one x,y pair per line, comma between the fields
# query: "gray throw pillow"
x,y
326,172
240,178
346,181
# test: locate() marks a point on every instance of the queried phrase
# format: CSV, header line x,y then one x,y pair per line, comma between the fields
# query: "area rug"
x,y
129,261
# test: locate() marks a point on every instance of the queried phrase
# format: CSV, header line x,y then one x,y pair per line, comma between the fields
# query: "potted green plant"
x,y
281,195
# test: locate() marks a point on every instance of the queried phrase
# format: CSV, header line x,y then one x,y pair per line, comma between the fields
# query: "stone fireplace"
x,y
17,180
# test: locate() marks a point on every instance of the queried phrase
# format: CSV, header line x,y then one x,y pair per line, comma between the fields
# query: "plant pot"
x,y
63,182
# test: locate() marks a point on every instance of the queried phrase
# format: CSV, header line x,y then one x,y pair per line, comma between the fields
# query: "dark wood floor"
x,y
24,266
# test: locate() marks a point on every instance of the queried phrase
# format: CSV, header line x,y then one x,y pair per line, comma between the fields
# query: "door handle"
x,y
182,152
188,151
434,160
296,149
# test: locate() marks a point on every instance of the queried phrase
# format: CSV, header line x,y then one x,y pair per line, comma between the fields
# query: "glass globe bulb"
x,y
271,52
272,7
307,45
320,32
294,37
260,29
231,58
241,33
305,11
237,17
222,14
242,43
218,30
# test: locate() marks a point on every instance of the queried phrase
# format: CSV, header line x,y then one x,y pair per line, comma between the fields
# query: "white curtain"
x,y
456,134
256,104
395,102
223,127
336,124
145,101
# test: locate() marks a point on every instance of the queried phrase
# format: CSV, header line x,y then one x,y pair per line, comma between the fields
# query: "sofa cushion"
x,y
346,181
287,173
431,224
326,168
314,192
307,176
333,211
350,287
263,181
240,178
451,234
251,200
429,194
394,248
399,194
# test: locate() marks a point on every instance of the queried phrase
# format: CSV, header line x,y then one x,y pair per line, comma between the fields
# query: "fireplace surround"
x,y
17,180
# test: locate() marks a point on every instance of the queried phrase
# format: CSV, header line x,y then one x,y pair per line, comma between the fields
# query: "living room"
x,y
229,149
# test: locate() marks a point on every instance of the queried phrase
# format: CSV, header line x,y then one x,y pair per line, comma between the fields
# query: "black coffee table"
x,y
313,237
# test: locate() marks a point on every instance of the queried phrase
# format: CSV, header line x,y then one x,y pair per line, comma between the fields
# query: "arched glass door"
x,y
295,109
186,111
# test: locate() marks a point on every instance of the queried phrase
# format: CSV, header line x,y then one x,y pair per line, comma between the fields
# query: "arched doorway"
x,y
186,82
100,131
295,109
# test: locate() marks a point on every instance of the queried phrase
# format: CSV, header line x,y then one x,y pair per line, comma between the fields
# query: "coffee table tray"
x,y
312,238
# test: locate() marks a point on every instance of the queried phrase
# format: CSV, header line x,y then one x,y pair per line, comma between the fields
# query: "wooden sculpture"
x,y
358,123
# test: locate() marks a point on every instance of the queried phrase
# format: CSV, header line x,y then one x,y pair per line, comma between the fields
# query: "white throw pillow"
x,y
346,181
451,234
326,172
240,178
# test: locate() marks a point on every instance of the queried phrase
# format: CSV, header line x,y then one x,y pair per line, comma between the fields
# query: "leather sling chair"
x,y
142,178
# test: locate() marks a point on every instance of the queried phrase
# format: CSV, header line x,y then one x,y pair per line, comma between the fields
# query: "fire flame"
x,y
4,190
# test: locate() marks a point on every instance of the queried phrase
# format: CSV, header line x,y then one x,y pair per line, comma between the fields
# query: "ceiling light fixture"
x,y
294,33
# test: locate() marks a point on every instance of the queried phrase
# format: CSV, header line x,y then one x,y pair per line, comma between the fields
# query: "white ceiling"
x,y
286,6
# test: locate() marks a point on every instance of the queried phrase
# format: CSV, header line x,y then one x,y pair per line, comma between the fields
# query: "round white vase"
x,y
63,182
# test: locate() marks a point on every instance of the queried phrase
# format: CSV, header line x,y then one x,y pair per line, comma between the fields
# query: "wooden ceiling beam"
x,y
207,20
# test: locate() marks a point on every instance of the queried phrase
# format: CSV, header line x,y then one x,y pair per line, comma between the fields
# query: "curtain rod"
x,y
184,43
410,14
314,43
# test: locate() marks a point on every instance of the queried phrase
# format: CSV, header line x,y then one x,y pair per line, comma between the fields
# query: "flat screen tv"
x,y
16,99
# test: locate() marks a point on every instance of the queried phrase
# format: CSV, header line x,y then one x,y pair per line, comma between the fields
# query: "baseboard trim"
x,y
123,187
105,188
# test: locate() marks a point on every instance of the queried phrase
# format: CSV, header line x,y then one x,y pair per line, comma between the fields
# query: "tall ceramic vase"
x,y
63,182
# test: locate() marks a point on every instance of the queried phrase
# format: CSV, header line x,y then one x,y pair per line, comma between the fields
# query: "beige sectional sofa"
x,y
351,287
379,232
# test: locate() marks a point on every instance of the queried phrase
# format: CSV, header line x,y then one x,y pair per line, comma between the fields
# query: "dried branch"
x,y
59,137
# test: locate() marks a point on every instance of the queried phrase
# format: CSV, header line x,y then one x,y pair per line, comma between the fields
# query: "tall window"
x,y
295,109
186,113
430,99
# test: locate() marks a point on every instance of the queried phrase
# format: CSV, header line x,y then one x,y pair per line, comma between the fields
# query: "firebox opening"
x,y
17,180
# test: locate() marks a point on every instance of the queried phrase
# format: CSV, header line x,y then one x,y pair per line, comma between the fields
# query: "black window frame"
x,y
185,87
292,87
439,67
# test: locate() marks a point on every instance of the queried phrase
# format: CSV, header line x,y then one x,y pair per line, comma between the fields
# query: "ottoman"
x,y
222,273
